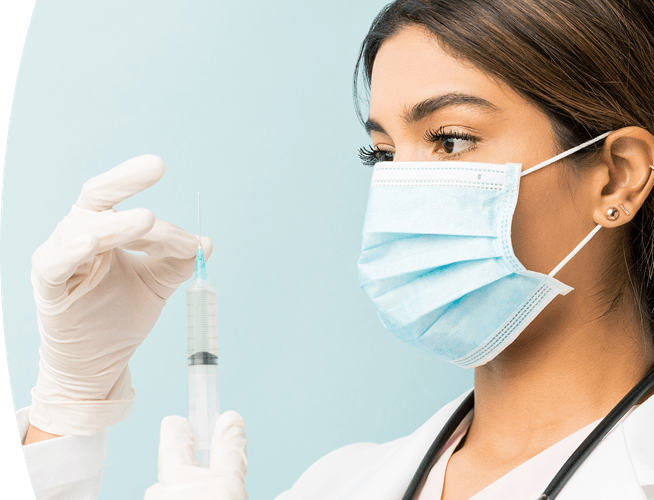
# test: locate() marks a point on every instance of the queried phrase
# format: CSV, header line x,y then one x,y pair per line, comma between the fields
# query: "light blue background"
x,y
249,103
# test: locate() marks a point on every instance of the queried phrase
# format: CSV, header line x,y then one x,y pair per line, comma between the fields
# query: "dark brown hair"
x,y
588,64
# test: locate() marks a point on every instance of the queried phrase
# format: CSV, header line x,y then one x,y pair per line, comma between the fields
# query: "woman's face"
x,y
427,105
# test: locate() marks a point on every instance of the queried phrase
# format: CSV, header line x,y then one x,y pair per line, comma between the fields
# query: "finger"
x,y
56,261
155,492
176,448
51,273
164,275
168,240
108,189
229,447
207,246
115,229
172,272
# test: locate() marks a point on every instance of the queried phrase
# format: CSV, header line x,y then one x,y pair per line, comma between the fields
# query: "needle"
x,y
199,227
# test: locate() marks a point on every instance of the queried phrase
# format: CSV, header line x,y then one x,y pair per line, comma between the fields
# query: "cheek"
x,y
545,223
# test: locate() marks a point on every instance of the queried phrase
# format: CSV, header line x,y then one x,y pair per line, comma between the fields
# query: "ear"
x,y
625,175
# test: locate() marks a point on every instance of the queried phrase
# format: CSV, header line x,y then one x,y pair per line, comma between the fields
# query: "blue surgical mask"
x,y
437,259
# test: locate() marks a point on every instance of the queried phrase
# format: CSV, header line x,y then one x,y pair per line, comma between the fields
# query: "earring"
x,y
612,213
624,210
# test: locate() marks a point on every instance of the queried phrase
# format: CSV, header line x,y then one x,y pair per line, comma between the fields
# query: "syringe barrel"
x,y
202,407
202,337
202,324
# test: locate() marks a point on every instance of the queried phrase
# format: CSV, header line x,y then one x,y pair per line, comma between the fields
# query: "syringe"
x,y
202,336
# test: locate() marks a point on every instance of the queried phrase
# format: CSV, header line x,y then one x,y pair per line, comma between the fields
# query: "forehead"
x,y
411,67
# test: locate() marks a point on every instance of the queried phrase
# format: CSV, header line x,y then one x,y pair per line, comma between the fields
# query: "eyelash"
x,y
369,155
440,134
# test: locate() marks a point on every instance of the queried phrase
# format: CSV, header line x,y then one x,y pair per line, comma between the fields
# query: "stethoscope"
x,y
569,468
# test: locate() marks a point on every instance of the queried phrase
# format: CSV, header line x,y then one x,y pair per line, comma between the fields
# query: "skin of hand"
x,y
84,261
572,348
180,477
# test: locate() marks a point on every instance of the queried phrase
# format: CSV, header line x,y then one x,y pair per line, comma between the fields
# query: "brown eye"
x,y
455,145
385,156
449,142
448,145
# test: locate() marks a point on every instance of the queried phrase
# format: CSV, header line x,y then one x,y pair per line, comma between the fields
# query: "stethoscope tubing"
x,y
595,437
437,446
569,467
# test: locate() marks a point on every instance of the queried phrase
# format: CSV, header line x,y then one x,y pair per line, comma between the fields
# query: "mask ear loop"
x,y
565,153
553,160
575,251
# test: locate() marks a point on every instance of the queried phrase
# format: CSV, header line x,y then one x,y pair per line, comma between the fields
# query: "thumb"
x,y
155,492
229,449
164,275
176,449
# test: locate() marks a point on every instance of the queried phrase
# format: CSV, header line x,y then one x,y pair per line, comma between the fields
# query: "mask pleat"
x,y
430,295
437,260
494,302
399,258
433,210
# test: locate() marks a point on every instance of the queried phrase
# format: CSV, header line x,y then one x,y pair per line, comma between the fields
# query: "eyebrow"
x,y
428,106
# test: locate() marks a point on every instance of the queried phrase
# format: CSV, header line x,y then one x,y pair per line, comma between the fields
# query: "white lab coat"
x,y
620,468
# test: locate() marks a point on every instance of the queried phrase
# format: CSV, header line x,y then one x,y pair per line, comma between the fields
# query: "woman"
x,y
540,278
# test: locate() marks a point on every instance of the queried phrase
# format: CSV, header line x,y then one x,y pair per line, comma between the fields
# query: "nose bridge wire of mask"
x,y
554,159
202,352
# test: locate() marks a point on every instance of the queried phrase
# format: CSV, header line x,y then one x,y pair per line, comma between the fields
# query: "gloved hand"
x,y
96,303
180,478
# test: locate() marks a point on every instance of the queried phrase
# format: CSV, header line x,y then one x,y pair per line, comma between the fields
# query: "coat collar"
x,y
620,467
389,474
639,438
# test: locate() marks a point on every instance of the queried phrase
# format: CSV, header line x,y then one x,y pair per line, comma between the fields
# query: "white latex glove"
x,y
180,477
96,303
